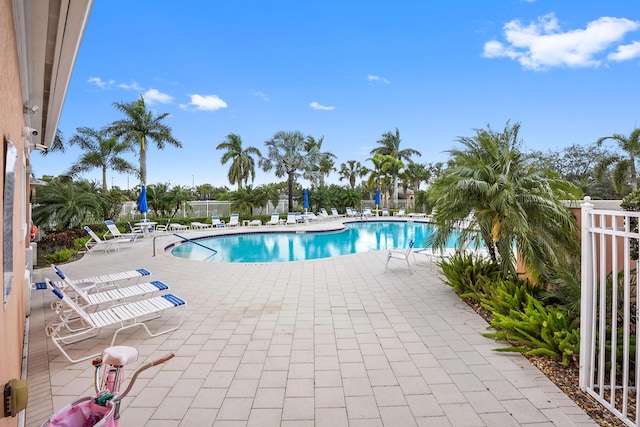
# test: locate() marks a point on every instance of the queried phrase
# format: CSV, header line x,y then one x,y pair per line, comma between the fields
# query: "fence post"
x,y
586,294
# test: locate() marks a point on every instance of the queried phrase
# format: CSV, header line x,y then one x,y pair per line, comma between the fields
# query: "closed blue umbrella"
x,y
142,202
306,199
377,198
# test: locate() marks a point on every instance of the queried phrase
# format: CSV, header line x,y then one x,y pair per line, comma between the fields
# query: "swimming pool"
x,y
298,246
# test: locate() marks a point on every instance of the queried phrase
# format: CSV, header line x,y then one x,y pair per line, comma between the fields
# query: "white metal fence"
x,y
609,310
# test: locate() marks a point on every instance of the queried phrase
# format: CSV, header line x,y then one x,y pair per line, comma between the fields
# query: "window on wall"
x,y
11,159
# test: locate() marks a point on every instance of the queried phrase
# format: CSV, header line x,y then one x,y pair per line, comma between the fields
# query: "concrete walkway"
x,y
331,342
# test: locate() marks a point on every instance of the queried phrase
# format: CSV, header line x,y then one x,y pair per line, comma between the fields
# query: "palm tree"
x,y
139,127
514,204
57,145
625,167
288,155
380,175
65,204
242,162
247,198
351,171
417,173
390,145
100,152
179,196
325,164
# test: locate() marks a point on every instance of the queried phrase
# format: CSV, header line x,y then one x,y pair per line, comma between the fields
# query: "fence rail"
x,y
609,310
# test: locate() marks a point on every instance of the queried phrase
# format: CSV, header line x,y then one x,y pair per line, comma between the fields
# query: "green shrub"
x,y
467,273
61,255
504,296
79,242
539,330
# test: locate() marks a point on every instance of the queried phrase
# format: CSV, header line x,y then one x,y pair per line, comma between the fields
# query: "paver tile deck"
x,y
333,341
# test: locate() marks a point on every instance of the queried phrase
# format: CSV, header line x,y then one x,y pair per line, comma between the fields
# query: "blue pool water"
x,y
298,246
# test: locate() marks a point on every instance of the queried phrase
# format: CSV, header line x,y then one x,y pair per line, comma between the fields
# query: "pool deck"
x,y
329,342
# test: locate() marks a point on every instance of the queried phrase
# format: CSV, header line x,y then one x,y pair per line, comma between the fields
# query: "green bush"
x,y
61,255
467,273
539,330
79,242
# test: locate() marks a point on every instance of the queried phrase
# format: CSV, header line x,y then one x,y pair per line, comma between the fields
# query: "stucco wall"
x,y
12,319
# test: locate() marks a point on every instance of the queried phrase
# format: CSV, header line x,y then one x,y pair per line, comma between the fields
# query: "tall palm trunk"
x,y
634,175
290,183
143,163
395,191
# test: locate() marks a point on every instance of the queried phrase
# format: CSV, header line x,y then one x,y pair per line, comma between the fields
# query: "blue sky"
x,y
350,71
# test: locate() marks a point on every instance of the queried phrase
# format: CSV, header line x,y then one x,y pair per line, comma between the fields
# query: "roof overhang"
x,y
48,36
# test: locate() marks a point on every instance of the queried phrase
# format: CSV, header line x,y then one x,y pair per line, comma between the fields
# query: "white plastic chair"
x,y
275,219
402,254
234,220
75,324
96,243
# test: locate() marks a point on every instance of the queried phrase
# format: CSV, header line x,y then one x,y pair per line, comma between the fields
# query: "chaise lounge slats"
x,y
75,324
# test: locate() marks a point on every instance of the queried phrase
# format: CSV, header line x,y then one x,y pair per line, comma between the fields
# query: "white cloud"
x,y
133,86
374,78
317,106
100,83
154,96
207,102
626,52
542,45
261,95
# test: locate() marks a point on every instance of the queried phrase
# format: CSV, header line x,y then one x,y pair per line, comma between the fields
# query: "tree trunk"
x,y
143,163
290,184
104,179
634,175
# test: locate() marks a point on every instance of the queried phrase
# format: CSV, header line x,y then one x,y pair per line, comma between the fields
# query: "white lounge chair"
x,y
216,221
366,213
177,227
352,212
402,254
112,296
400,212
323,214
275,219
195,225
292,218
234,220
385,212
163,227
96,243
103,281
113,232
74,324
335,214
255,223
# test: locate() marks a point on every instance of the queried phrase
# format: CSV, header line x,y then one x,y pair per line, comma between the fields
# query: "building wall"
x,y
13,318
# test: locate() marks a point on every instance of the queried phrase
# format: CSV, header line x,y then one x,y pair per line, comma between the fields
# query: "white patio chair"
x,y
275,219
195,225
402,254
234,220
96,243
113,232
85,298
74,324
110,280
177,227
292,218
216,221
